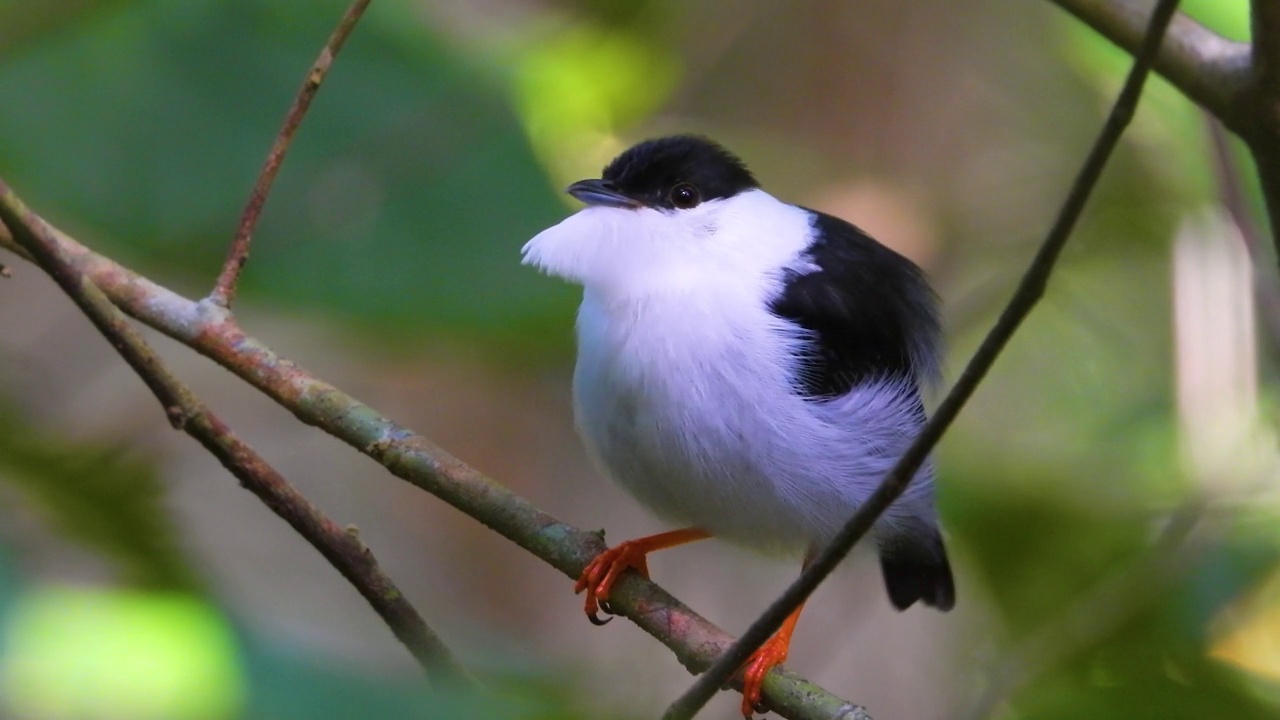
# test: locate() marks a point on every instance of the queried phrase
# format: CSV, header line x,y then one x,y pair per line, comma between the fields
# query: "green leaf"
x,y
78,653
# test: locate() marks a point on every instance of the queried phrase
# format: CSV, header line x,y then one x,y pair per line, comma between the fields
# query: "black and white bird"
x,y
747,368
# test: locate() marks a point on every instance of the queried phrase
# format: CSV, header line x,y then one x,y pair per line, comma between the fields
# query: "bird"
x,y
747,369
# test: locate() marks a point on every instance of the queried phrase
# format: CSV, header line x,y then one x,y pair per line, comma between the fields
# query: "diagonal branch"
x,y
1208,68
224,290
1029,292
210,330
186,412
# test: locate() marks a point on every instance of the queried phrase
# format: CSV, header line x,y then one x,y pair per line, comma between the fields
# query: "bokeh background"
x,y
137,580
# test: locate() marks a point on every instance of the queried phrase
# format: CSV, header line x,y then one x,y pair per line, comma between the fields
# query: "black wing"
x,y
870,311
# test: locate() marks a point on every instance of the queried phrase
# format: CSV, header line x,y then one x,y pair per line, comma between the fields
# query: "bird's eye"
x,y
685,196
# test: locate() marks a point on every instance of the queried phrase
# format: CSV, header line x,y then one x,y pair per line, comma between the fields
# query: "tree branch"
x,y
1030,290
186,412
224,290
210,330
1265,31
1208,68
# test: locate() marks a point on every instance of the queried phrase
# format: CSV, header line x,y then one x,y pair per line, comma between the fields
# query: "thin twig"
x,y
1029,292
186,412
224,290
1208,68
211,331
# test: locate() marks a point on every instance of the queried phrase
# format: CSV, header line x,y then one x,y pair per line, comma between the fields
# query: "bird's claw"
x,y
757,667
598,577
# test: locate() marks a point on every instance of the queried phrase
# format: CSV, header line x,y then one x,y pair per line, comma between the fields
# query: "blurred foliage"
x,y
76,653
578,89
1167,119
289,687
102,496
1229,18
427,161
89,653
402,206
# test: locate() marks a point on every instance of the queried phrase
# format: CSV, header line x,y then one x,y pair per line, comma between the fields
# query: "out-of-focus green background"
x,y
138,581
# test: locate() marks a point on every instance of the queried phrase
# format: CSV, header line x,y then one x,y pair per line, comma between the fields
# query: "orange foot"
x,y
772,653
598,577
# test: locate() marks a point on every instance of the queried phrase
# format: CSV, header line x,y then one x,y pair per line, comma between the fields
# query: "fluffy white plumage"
x,y
684,387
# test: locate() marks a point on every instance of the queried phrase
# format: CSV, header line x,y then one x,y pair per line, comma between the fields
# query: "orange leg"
x,y
598,577
772,653
769,655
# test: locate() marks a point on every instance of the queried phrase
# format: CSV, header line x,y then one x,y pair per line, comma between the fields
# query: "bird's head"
x,y
665,213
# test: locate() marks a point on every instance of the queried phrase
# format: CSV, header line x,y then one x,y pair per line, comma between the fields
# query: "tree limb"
x,y
1265,31
1030,289
186,412
1206,67
224,289
212,331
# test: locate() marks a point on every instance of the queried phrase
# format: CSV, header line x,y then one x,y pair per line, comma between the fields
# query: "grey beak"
x,y
601,193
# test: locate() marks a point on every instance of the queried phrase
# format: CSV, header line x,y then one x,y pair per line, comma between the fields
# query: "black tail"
x,y
916,568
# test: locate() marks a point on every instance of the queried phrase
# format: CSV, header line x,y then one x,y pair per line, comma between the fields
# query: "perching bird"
x,y
748,369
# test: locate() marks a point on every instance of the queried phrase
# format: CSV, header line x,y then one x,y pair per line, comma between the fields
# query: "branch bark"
x,y
1209,69
186,412
212,331
1265,29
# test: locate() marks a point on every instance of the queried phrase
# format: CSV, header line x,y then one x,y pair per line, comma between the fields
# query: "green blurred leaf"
x,y
22,22
402,205
288,685
1229,18
577,89
1157,665
100,496
79,653
1165,119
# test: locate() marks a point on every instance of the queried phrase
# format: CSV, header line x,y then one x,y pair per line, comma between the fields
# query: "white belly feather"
x,y
686,409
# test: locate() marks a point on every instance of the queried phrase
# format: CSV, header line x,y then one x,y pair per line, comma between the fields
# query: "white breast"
x,y
683,384
678,403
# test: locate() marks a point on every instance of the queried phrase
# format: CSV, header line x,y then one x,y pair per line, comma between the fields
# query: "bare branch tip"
x,y
225,287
